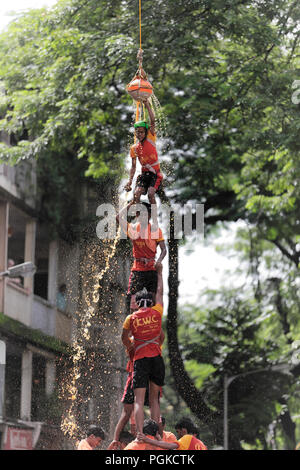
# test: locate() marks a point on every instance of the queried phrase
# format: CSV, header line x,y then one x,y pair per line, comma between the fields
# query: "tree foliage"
x,y
223,72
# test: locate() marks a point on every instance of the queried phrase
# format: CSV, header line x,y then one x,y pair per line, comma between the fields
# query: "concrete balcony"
x,y
36,313
17,303
43,316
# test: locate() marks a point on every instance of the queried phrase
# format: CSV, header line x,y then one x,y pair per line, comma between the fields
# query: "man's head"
x,y
141,214
95,435
150,427
185,426
144,299
62,288
148,207
125,438
141,130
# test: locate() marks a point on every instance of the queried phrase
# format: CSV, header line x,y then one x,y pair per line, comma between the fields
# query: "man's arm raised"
x,y
163,252
121,217
159,299
151,116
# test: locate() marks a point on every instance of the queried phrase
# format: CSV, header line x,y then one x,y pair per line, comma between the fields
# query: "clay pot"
x,y
139,89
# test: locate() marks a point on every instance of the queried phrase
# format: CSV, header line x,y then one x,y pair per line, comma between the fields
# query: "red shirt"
x,y
189,442
144,245
145,325
169,437
146,153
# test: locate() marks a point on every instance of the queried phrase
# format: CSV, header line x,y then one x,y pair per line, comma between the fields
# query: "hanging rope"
x,y
140,58
140,19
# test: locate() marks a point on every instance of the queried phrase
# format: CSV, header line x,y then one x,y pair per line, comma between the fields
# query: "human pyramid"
x,y
142,333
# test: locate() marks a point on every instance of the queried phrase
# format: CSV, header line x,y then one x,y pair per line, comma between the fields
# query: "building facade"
x,y
39,320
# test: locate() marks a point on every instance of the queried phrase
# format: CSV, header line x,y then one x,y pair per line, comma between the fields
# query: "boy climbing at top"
x,y
149,181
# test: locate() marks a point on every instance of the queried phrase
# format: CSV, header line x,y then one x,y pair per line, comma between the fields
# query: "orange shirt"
x,y
84,445
169,437
189,442
145,325
146,153
144,245
137,445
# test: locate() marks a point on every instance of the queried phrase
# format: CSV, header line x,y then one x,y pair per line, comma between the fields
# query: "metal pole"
x,y
2,376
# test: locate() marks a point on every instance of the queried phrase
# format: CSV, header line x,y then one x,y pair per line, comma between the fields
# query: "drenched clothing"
x,y
148,369
144,245
128,394
145,326
147,180
147,155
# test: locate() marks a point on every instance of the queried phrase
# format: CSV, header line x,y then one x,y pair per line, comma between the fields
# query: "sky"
x,y
201,266
18,6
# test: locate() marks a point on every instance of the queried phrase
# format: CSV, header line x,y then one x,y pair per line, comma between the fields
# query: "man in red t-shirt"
x,y
144,247
144,326
145,151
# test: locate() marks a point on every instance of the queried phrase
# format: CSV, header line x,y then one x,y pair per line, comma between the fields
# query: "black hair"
x,y
148,207
97,431
144,298
187,424
163,420
126,437
150,427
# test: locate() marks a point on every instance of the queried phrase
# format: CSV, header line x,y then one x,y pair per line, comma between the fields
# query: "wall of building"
x,y
37,332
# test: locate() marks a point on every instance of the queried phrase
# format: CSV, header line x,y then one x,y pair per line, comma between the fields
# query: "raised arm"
x,y
151,116
121,217
160,286
157,442
163,252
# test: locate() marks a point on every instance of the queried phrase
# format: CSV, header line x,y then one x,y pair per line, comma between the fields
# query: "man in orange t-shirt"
x,y
144,247
188,441
167,436
144,326
95,435
150,430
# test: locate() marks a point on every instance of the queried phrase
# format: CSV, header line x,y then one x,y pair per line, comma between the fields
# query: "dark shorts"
x,y
147,179
148,369
140,279
128,394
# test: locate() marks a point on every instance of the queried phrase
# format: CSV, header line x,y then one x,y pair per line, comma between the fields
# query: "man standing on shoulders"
x,y
145,242
144,326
